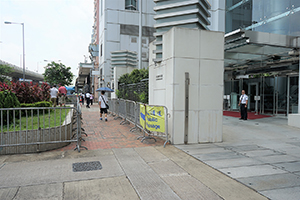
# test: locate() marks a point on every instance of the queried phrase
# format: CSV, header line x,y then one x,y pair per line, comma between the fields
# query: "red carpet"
x,y
251,115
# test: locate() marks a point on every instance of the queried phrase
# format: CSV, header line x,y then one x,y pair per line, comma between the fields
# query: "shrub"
x,y
28,92
132,86
8,100
143,97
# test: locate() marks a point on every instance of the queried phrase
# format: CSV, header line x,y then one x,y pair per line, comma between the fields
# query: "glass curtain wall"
x,y
293,108
272,91
271,16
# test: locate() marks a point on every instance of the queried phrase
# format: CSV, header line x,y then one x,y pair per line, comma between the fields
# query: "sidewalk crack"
x,y
16,193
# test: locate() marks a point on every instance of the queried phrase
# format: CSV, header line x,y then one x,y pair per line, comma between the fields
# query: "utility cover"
x,y
86,166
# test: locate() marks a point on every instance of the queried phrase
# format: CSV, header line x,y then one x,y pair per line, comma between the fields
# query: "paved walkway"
x,y
110,134
262,154
118,166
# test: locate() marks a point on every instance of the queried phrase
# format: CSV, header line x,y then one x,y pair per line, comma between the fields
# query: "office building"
x,y
119,30
262,54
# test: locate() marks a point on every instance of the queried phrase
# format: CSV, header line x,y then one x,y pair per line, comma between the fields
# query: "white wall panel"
x,y
115,4
113,16
113,32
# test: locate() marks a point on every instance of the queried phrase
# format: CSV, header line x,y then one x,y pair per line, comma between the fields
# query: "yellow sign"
x,y
154,119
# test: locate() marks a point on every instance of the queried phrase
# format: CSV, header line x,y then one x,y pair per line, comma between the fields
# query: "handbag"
x,y
106,105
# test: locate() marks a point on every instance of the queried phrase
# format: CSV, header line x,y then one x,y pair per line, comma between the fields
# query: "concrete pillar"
x,y
201,54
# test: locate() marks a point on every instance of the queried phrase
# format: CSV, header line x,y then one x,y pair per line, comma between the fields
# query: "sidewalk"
x,y
116,166
262,154
110,134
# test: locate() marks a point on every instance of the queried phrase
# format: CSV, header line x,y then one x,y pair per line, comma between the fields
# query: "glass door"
x,y
252,92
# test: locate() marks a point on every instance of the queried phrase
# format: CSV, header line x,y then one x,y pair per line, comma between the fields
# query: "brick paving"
x,y
110,134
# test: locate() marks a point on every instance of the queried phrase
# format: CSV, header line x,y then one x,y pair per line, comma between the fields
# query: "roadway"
x,y
18,73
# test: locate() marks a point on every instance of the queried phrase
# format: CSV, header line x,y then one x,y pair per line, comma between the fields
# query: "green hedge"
x,y
37,104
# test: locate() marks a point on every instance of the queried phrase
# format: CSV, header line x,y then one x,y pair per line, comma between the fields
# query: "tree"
x,y
5,70
58,73
134,77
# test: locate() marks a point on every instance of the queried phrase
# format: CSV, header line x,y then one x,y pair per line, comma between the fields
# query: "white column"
x,y
288,96
299,85
140,34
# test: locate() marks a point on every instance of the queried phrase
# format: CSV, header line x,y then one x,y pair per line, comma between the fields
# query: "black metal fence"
x,y
135,92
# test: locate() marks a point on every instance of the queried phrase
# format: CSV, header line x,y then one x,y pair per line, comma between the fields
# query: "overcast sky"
x,y
54,30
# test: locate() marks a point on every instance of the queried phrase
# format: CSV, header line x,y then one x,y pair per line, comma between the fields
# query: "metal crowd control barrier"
x,y
34,129
129,111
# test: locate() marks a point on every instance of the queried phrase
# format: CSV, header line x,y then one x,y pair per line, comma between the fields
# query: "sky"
x,y
54,30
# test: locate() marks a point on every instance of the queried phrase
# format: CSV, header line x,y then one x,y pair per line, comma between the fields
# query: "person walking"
x,y
243,105
62,93
82,98
91,99
103,105
87,97
53,94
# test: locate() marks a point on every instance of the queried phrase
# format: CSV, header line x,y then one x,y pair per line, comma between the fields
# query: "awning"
x,y
251,52
84,71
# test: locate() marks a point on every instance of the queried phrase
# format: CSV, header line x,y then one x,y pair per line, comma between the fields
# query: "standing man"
x,y
63,92
102,105
243,105
87,97
53,94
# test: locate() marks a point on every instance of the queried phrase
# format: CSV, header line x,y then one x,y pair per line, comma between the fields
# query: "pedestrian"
x,y
91,99
62,95
53,94
82,98
243,105
103,105
87,97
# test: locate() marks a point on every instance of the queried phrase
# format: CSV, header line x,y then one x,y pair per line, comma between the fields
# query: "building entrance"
x,y
275,94
253,91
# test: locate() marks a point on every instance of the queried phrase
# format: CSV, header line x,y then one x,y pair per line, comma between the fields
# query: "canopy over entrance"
x,y
251,52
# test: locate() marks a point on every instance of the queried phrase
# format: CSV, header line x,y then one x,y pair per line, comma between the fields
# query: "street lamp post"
x,y
23,46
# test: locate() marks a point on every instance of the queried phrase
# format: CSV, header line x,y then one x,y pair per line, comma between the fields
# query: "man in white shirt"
x,y
243,105
87,97
102,105
53,95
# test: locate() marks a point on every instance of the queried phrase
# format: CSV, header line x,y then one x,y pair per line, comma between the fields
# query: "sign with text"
x,y
154,118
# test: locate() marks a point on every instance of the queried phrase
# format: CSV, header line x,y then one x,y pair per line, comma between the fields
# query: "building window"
x,y
144,41
133,40
130,4
101,50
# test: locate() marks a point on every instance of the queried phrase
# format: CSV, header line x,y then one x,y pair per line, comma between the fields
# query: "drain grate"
x,y
86,166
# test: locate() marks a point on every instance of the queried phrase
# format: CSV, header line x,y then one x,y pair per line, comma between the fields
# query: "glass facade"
x,y
130,5
278,92
273,92
271,16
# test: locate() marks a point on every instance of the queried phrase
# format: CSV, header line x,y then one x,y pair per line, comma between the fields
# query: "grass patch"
x,y
44,120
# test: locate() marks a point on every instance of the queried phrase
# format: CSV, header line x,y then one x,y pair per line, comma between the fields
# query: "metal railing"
x,y
129,111
35,129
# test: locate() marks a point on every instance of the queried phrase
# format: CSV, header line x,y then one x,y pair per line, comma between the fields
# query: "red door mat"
x,y
251,115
